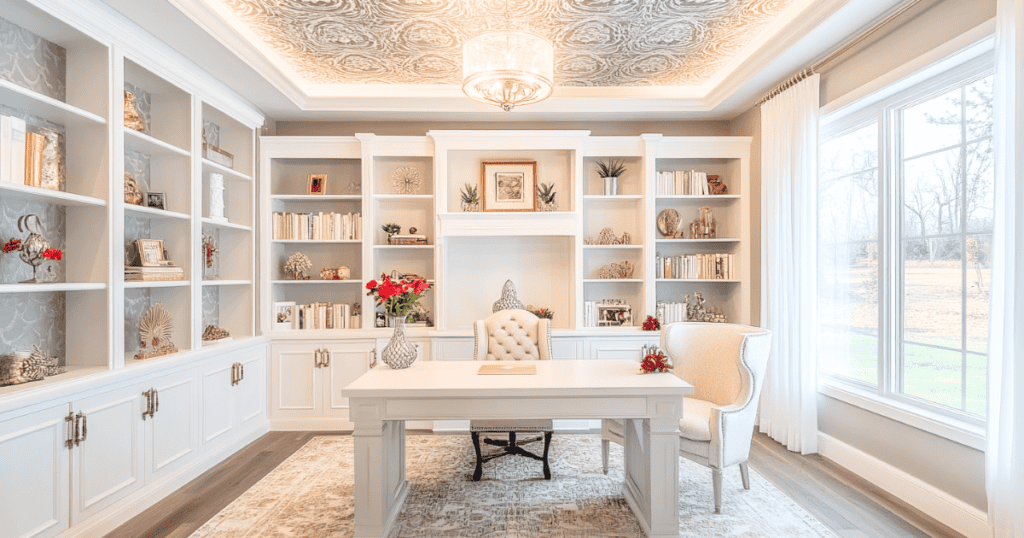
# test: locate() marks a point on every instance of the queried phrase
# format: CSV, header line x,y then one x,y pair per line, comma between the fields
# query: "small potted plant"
x,y
610,172
546,197
470,198
391,229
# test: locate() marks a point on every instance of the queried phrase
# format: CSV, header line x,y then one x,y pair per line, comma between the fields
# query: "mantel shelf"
x,y
36,194
533,223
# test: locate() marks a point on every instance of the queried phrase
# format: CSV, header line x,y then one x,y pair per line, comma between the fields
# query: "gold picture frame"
x,y
508,185
316,184
151,252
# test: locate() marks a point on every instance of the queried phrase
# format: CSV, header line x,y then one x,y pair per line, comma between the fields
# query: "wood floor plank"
x,y
843,501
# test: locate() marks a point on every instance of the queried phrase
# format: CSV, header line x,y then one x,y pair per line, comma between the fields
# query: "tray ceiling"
x,y
598,43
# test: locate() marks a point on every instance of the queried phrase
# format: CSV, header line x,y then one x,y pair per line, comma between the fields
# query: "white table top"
x,y
459,379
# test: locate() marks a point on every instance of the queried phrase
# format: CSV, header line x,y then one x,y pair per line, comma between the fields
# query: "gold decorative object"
x,y
328,273
406,180
606,237
705,226
617,270
132,118
213,333
155,330
132,192
297,264
344,273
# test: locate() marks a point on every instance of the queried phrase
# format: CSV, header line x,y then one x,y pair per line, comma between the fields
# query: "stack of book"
x,y
21,153
407,239
326,316
696,266
318,226
684,182
154,274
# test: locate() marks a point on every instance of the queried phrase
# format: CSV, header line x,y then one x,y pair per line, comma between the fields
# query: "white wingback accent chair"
x,y
726,364
511,335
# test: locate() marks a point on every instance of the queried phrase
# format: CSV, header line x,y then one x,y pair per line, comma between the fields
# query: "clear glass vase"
x,y
399,353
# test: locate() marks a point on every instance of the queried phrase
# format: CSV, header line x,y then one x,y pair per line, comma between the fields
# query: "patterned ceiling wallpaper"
x,y
597,42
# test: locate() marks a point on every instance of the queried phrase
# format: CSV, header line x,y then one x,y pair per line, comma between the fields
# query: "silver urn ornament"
x,y
509,300
32,248
399,353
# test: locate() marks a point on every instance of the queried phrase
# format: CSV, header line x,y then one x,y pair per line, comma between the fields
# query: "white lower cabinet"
x,y
172,422
234,397
307,379
620,348
35,490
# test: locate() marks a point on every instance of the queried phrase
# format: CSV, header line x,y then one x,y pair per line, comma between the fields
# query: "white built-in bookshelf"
x,y
470,255
98,310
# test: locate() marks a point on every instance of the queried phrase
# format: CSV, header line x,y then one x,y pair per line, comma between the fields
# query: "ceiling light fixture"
x,y
508,67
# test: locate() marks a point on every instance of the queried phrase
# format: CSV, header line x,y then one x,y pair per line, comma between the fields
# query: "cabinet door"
x,y
218,403
626,349
296,391
453,349
346,362
172,433
34,488
109,464
251,392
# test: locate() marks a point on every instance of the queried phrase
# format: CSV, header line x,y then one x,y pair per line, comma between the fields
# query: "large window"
x,y
905,237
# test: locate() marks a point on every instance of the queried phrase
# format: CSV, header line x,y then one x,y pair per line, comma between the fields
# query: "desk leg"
x,y
380,486
652,474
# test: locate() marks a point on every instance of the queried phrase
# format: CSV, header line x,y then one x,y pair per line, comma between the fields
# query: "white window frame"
x,y
967,58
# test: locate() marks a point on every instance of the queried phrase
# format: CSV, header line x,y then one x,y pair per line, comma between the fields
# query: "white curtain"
x,y
789,205
1004,451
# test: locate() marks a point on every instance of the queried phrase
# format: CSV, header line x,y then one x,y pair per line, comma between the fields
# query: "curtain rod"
x,y
791,81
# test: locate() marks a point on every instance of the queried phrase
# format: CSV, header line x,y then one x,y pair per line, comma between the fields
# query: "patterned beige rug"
x,y
310,496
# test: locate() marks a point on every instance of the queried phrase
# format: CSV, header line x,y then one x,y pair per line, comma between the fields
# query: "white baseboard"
x,y
938,504
133,505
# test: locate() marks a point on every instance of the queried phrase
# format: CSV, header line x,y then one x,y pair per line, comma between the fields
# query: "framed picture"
x,y
508,185
316,184
380,320
284,315
151,252
155,199
614,315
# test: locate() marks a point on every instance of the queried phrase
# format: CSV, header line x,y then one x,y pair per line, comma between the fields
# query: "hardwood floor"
x,y
849,505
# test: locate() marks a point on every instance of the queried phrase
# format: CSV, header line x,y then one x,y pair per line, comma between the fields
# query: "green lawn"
x,y
929,373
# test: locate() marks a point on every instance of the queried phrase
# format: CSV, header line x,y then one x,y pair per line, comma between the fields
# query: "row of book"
x,y
607,313
683,182
318,226
161,273
325,316
21,155
696,266
671,313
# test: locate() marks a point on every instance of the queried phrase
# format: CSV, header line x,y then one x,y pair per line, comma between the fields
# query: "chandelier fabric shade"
x,y
508,68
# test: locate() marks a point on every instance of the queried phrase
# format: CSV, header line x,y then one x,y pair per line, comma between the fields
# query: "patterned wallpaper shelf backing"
x,y
136,302
28,319
143,104
211,306
32,62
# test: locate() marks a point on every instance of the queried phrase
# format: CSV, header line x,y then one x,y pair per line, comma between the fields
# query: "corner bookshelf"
x,y
286,163
729,158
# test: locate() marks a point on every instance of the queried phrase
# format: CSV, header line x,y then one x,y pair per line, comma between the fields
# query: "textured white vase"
x,y
217,197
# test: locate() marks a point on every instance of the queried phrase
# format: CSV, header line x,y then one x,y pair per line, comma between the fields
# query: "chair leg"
x,y
716,480
547,443
745,473
479,460
604,455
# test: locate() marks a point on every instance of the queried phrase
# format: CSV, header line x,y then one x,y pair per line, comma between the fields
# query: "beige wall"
x,y
683,128
948,466
749,124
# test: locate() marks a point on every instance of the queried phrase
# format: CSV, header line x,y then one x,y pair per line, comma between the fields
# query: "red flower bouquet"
x,y
651,324
655,362
399,297
12,246
53,254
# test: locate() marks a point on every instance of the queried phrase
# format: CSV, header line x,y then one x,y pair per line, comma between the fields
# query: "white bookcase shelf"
x,y
142,211
43,106
149,145
54,286
229,173
227,225
47,196
158,284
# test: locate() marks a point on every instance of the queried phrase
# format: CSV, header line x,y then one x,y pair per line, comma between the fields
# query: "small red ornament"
x,y
53,254
655,362
12,245
651,324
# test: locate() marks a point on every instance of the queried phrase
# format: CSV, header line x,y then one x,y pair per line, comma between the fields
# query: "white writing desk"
x,y
382,400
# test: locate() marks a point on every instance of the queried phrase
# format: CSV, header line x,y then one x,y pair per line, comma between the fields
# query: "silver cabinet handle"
x,y
316,359
373,359
84,429
327,358
156,404
149,404
72,430
241,376
234,374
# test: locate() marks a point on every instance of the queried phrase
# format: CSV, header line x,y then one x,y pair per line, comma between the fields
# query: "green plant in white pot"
x,y
610,171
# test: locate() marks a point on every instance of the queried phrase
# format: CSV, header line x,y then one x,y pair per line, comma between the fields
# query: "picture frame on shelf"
x,y
155,200
508,185
316,184
614,315
284,315
151,252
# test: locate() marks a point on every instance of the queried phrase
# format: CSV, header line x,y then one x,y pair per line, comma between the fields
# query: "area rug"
x,y
310,496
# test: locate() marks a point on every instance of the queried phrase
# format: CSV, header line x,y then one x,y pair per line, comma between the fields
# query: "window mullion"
x,y
890,152
963,249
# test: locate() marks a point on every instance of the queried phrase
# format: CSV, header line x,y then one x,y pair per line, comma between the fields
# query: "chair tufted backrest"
x,y
709,356
509,335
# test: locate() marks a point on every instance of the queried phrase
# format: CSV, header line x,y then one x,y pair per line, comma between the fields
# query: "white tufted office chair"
x,y
726,365
511,335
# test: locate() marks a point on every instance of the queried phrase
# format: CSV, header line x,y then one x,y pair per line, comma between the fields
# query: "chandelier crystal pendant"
x,y
508,68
